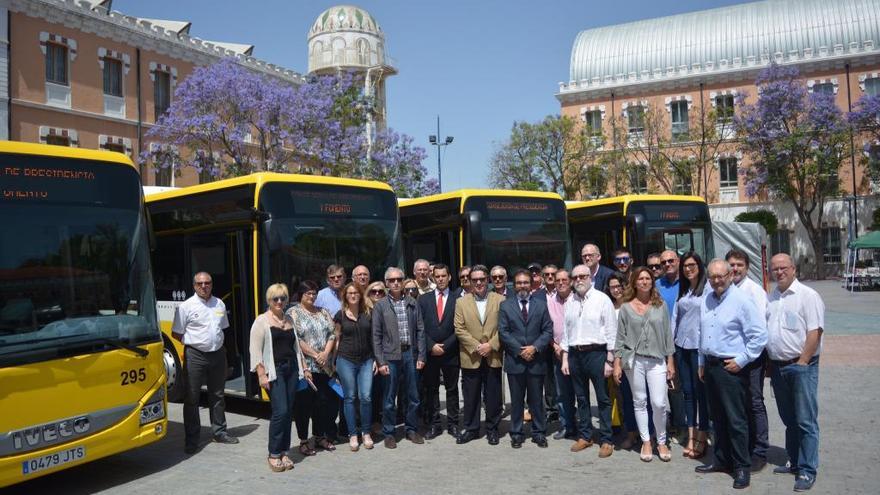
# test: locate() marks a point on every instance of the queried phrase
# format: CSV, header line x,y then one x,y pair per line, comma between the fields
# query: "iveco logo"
x,y
50,432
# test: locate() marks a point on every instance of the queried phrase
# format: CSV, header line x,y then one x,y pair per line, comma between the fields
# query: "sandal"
x,y
353,443
686,452
306,449
664,456
326,444
287,462
276,464
699,449
646,457
368,441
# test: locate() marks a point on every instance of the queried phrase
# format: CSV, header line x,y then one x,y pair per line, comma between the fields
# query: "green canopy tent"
x,y
871,240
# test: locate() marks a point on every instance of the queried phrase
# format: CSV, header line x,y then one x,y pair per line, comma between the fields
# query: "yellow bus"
x,y
490,227
250,232
80,350
643,223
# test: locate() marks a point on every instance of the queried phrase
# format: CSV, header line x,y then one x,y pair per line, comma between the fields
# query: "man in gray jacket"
x,y
399,348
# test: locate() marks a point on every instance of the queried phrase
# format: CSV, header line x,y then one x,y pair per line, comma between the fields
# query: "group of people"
x,y
674,332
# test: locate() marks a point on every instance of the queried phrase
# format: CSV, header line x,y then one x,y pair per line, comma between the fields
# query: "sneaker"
x,y
803,483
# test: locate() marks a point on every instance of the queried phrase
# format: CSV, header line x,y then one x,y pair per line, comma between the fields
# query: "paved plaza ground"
x,y
849,396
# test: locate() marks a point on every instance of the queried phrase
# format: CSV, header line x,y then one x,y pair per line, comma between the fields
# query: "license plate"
x,y
49,461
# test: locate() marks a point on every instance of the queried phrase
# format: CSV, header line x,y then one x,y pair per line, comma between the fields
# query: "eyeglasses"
x,y
310,293
780,269
463,277
203,283
622,259
377,292
718,277
481,280
550,274
359,275
499,277
655,266
690,266
395,280
534,272
583,276
334,277
588,255
615,287
279,299
667,262
412,290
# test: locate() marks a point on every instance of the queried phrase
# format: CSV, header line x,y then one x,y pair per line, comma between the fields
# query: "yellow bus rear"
x,y
80,349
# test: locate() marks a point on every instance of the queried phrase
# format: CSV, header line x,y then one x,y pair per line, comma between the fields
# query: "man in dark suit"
x,y
438,313
499,282
599,273
525,330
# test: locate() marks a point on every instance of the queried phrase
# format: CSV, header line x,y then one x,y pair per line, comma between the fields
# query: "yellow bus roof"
x,y
64,152
463,194
261,178
629,198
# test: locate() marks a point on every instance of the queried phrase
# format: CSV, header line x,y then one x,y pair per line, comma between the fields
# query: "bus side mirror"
x,y
472,220
635,223
151,235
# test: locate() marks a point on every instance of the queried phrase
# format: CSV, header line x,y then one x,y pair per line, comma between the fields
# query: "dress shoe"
x,y
784,470
225,438
758,464
492,437
552,416
390,442
465,437
190,449
414,437
540,441
712,468
453,431
581,444
804,483
516,442
606,450
741,479
559,435
433,433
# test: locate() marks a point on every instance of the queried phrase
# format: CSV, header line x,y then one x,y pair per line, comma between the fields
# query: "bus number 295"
x,y
131,377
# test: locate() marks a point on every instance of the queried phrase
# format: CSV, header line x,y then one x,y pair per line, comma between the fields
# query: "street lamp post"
x,y
435,140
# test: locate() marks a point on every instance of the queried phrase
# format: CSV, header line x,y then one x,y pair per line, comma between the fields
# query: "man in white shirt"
x,y
759,430
587,353
198,323
795,322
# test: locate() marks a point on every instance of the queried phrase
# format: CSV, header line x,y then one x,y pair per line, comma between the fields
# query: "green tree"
x,y
766,218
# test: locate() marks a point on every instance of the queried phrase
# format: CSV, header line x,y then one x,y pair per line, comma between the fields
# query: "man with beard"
x,y
587,354
525,329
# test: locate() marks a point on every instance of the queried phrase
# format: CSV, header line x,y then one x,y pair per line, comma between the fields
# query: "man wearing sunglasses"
x,y
667,284
198,323
622,260
464,282
499,282
330,297
653,264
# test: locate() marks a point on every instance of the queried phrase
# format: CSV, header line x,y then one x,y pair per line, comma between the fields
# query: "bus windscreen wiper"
x,y
128,347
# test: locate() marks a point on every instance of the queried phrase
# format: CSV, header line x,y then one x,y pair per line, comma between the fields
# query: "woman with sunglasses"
x,y
375,291
315,330
354,363
277,360
686,331
411,288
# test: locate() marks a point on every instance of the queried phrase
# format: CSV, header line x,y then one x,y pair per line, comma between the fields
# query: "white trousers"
x,y
649,375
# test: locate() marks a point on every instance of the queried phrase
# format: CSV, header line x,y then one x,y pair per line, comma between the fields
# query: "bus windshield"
x,y
518,231
74,260
681,227
313,226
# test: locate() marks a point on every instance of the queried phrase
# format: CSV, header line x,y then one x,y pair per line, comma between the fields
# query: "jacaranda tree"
x,y
796,141
256,123
865,119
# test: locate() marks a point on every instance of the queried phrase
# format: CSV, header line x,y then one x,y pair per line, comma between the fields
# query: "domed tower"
x,y
348,38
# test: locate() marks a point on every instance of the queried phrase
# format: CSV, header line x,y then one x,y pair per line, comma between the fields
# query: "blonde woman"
x,y
277,360
645,350
354,363
374,293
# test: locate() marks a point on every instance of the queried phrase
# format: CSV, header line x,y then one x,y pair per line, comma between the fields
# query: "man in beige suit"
x,y
476,326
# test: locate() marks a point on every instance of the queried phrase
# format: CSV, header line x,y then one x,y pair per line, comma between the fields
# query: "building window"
x,y
780,242
683,182
727,172
831,244
57,140
112,77
724,109
824,88
593,122
679,111
56,63
872,86
363,52
635,119
638,179
117,147
161,93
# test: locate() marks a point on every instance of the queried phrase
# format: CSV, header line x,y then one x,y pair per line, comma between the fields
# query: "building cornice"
x,y
689,77
81,15
77,113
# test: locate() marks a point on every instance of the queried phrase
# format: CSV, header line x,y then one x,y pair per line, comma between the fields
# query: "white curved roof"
x,y
761,30
345,18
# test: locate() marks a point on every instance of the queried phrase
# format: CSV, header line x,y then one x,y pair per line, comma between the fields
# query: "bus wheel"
x,y
173,373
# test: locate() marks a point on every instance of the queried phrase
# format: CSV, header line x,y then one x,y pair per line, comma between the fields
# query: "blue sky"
x,y
479,64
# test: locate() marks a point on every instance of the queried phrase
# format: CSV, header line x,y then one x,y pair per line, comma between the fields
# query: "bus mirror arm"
x,y
635,223
472,220
260,215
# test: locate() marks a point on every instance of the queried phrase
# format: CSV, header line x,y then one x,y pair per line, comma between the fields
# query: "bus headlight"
x,y
154,408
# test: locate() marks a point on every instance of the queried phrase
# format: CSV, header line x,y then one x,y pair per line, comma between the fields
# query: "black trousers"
x,y
318,407
431,377
519,384
485,381
729,403
759,429
204,368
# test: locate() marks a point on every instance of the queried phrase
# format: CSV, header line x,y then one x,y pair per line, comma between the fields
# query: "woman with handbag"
x,y
645,352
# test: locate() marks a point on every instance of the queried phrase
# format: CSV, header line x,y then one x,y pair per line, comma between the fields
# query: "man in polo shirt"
x,y
796,317
198,323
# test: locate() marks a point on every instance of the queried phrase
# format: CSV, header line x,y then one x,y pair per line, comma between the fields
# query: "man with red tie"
x,y
438,313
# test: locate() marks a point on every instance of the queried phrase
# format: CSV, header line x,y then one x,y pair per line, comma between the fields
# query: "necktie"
x,y
525,312
440,307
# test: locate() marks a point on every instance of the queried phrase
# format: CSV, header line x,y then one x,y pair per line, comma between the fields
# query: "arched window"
x,y
363,52
315,56
338,51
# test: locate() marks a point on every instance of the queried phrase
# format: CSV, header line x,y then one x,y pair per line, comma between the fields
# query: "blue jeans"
x,y
356,379
405,368
564,398
282,391
796,388
696,408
